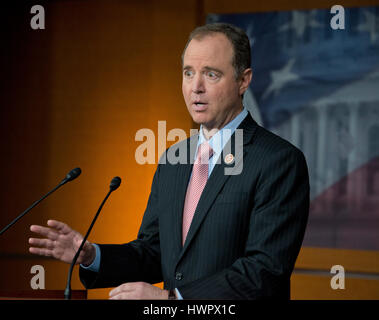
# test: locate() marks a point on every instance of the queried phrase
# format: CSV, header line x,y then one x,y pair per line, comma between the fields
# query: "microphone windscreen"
x,y
73,174
115,183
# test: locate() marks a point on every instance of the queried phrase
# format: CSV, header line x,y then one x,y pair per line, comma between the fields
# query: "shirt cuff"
x,y
178,294
95,265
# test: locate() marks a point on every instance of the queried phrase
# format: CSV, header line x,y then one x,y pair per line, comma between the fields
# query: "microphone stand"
x,y
115,183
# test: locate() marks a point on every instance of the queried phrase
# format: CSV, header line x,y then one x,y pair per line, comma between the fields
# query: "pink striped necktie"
x,y
196,186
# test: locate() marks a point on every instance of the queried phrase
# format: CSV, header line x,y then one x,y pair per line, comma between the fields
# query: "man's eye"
x,y
188,73
211,75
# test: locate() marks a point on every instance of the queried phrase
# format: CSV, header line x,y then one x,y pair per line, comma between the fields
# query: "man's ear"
x,y
245,80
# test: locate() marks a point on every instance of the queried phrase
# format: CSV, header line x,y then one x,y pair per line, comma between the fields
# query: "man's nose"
x,y
198,84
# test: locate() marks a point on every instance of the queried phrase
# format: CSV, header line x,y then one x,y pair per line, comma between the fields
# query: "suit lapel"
x,y
214,184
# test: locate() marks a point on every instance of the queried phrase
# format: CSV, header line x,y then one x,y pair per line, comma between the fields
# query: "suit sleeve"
x,y
138,260
276,230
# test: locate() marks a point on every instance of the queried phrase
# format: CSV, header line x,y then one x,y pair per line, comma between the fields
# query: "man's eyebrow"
x,y
213,69
207,68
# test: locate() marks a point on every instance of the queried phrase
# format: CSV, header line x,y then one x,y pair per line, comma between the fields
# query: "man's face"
x,y
210,88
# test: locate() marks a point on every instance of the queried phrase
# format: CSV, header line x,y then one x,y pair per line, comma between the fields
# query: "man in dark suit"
x,y
226,223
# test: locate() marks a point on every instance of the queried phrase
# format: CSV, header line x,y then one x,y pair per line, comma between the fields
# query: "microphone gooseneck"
x,y
115,183
73,174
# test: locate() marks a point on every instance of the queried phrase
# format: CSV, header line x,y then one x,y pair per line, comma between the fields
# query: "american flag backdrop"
x,y
319,89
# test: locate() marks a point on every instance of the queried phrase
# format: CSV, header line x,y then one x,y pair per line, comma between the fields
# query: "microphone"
x,y
115,183
73,174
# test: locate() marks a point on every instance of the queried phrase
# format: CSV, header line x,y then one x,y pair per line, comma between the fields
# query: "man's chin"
x,y
208,126
201,122
199,118
204,119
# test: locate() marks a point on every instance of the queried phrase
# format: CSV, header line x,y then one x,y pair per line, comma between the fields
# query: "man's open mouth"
x,y
200,104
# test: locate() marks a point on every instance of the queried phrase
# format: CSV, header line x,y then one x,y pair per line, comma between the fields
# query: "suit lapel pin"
x,y
229,158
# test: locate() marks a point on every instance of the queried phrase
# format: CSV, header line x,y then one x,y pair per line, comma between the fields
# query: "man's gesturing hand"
x,y
61,242
138,290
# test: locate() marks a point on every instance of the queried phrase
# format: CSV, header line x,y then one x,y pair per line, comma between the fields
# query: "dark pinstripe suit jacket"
x,y
245,235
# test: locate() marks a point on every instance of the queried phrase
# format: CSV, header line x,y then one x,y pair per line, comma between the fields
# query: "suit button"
x,y
178,276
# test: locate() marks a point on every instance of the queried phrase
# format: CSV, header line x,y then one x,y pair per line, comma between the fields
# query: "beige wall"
x,y
76,93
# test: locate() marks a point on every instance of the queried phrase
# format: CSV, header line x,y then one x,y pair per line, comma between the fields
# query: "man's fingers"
x,y
114,292
40,251
124,288
121,296
115,297
119,289
137,290
44,243
60,226
44,231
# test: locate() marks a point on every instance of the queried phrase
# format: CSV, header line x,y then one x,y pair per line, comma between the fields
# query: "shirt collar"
x,y
218,140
